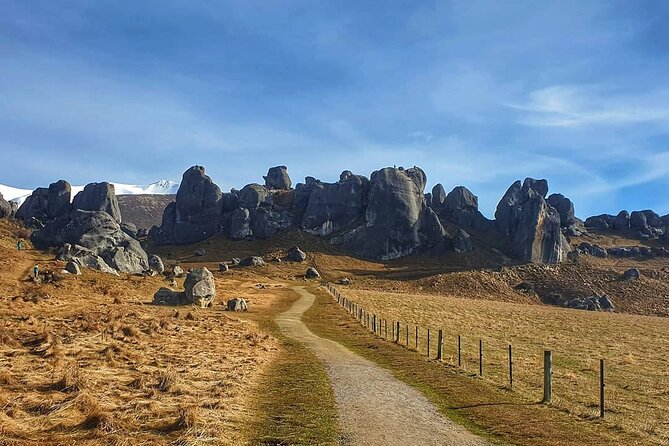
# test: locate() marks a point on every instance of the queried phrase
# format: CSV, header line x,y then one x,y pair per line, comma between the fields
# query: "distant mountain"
x,y
162,187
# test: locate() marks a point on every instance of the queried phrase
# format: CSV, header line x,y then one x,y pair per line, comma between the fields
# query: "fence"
x,y
379,327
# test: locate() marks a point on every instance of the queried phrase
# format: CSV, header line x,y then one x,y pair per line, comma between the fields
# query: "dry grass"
x,y
635,349
96,363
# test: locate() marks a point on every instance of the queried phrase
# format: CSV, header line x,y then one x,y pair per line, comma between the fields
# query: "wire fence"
x,y
420,340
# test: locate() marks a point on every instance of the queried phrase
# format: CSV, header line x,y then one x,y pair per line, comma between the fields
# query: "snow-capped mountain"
x,y
162,187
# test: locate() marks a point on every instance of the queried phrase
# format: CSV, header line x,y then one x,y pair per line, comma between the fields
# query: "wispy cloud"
x,y
572,106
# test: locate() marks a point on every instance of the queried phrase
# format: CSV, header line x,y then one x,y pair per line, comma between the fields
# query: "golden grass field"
x,y
635,348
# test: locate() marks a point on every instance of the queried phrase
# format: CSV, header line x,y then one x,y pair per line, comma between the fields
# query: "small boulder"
x,y
166,296
72,267
129,229
223,267
236,304
312,273
235,261
632,274
344,281
252,261
605,303
156,264
177,271
200,252
200,287
295,254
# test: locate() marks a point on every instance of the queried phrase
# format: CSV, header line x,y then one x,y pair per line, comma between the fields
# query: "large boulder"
x,y
460,206
99,234
603,221
278,178
6,209
531,225
200,287
312,273
565,209
268,221
327,208
295,254
166,296
397,219
622,221
196,213
252,261
46,203
254,195
98,197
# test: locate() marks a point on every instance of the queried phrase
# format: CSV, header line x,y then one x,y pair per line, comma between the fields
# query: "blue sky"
x,y
476,93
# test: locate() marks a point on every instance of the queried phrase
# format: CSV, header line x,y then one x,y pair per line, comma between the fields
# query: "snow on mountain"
x,y
162,187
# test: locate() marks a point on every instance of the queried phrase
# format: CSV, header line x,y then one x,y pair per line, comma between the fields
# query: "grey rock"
x,y
638,221
253,196
531,225
195,215
565,208
177,271
331,207
223,267
235,261
397,219
252,261
98,197
200,252
462,242
603,221
295,254
72,267
100,235
278,178
344,281
156,264
622,221
166,296
312,273
632,274
266,222
46,203
200,287
129,229
236,304
606,303
240,224
6,209
460,206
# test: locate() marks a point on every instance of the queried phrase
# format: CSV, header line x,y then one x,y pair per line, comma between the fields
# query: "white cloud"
x,y
573,106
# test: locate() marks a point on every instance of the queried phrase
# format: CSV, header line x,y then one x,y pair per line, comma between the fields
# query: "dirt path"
x,y
374,407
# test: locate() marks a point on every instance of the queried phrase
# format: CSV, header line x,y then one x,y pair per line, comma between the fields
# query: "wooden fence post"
x,y
440,344
459,352
510,367
407,334
385,321
548,376
416,338
392,330
601,388
397,332
428,343
480,357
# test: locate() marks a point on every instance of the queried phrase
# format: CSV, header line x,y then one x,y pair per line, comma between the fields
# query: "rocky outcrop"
x,y
531,225
156,264
45,204
312,273
196,213
98,197
295,254
327,208
564,207
460,206
462,242
397,219
622,221
6,209
278,178
200,287
97,241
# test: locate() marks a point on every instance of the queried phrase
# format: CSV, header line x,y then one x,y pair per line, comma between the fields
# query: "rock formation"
x,y
460,206
6,209
531,225
278,178
200,287
196,213
98,197
45,204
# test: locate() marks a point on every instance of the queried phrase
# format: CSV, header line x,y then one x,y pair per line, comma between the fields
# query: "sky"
x,y
477,93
